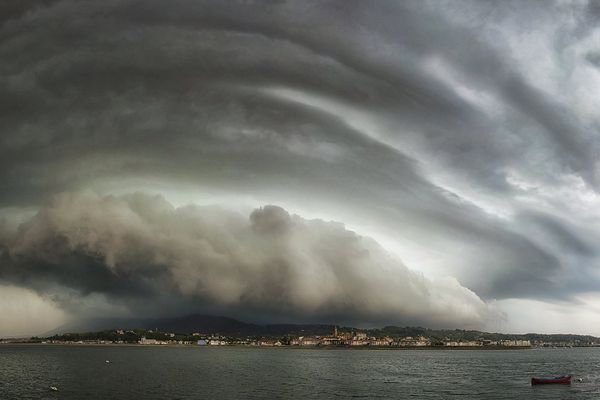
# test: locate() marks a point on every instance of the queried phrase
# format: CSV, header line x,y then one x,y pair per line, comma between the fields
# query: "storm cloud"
x,y
280,265
461,136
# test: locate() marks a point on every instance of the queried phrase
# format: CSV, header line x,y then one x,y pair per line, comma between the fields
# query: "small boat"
x,y
54,388
564,380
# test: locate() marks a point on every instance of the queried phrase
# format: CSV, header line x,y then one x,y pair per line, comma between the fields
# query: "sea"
x,y
154,372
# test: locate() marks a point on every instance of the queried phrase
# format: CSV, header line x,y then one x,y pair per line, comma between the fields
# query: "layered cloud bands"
x,y
151,257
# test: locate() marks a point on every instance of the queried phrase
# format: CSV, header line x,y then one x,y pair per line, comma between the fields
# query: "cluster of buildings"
x,y
341,339
360,339
357,340
483,343
407,342
145,340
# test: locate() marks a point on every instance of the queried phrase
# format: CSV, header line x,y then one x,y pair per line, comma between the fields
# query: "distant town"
x,y
337,338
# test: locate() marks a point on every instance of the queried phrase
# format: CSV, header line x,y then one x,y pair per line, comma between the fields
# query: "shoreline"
x,y
394,348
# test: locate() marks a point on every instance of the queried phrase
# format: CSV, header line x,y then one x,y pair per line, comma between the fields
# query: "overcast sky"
x,y
371,163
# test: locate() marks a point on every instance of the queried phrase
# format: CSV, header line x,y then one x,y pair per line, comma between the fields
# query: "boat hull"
x,y
557,380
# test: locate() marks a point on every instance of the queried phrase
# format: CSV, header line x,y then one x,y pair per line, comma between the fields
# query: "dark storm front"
x,y
28,372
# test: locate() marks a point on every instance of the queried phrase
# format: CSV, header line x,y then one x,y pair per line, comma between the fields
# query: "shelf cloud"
x,y
139,247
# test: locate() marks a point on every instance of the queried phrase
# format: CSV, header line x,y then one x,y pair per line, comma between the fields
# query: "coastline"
x,y
392,348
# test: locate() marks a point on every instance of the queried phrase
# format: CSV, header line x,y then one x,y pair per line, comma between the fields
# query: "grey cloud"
x,y
138,246
15,9
321,60
562,234
94,94
594,59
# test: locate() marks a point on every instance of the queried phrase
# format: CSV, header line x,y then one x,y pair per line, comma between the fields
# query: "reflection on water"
x,y
27,372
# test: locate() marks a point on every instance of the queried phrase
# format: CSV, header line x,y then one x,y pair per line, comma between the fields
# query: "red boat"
x,y
564,380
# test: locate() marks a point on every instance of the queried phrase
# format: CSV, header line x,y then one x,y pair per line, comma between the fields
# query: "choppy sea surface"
x,y
144,372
